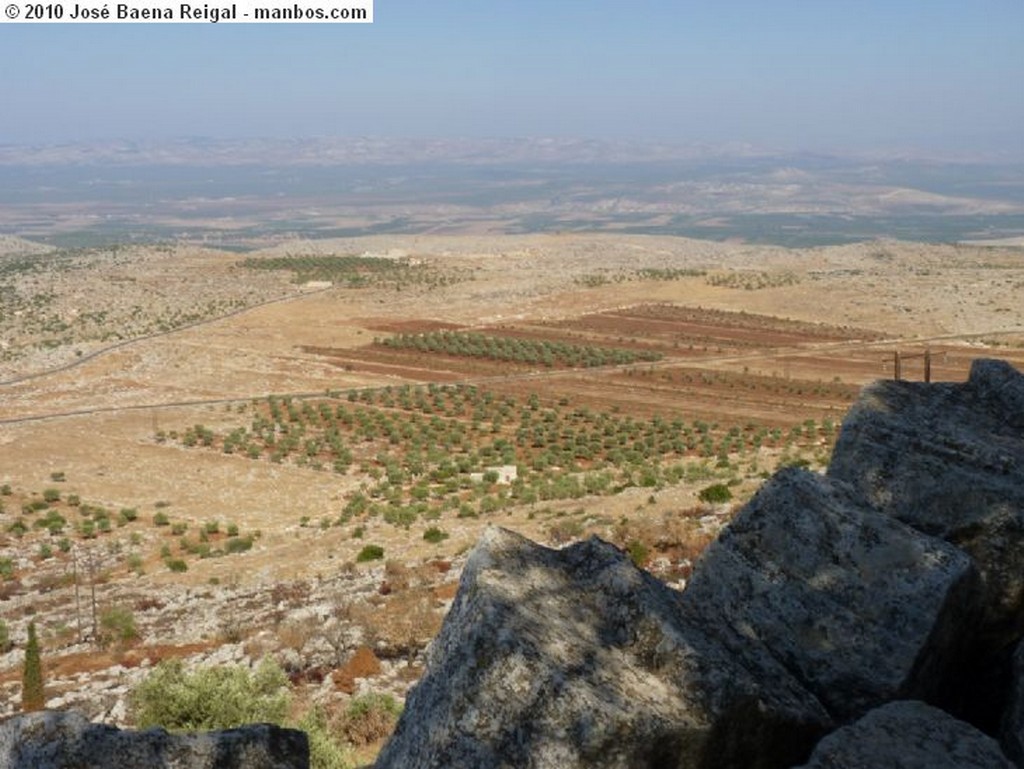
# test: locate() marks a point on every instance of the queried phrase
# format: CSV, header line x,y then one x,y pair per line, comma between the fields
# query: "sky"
x,y
942,76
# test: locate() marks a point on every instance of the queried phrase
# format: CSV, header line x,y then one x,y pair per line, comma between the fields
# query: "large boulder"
x,y
576,658
948,460
858,607
67,740
908,735
1012,726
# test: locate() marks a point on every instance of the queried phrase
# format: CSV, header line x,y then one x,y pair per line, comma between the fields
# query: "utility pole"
x,y
78,599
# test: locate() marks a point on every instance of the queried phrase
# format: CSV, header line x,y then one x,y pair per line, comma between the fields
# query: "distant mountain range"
x,y
396,151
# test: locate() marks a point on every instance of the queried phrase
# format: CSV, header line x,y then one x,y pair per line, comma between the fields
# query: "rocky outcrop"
x,y
66,740
910,735
823,602
948,460
1011,728
858,607
576,658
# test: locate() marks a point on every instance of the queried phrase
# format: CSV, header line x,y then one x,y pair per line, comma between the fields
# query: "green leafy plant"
x,y
220,697
32,694
434,535
117,626
370,553
715,494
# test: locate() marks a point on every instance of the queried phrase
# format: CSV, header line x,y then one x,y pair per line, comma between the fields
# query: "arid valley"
x,y
218,456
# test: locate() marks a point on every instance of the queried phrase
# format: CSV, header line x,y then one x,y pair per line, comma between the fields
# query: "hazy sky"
x,y
794,74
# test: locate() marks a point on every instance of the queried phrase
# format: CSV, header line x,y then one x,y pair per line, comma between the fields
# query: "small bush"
x,y
238,545
370,553
128,514
715,494
638,552
220,697
370,717
117,626
176,565
325,751
161,519
434,535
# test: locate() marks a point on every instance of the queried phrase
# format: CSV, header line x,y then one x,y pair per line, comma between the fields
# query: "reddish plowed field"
x,y
730,367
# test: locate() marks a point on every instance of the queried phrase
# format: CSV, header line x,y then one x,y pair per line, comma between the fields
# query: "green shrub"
x,y
32,694
237,545
128,514
716,493
117,625
325,751
161,519
5,638
434,535
370,717
220,697
177,565
370,553
638,552
6,568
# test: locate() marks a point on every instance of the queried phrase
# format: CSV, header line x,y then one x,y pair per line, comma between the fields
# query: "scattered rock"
x,y
908,735
67,740
576,658
948,459
1012,727
858,607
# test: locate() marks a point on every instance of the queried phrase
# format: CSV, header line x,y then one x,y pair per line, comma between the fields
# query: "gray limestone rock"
x,y
909,735
948,459
576,658
858,607
1012,727
67,740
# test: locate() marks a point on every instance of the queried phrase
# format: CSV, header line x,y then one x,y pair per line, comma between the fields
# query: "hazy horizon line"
x,y
687,148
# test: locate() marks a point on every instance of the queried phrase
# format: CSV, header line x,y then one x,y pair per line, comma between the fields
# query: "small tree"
x,y
32,697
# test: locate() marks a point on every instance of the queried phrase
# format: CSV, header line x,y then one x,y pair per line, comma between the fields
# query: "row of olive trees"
x,y
517,349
